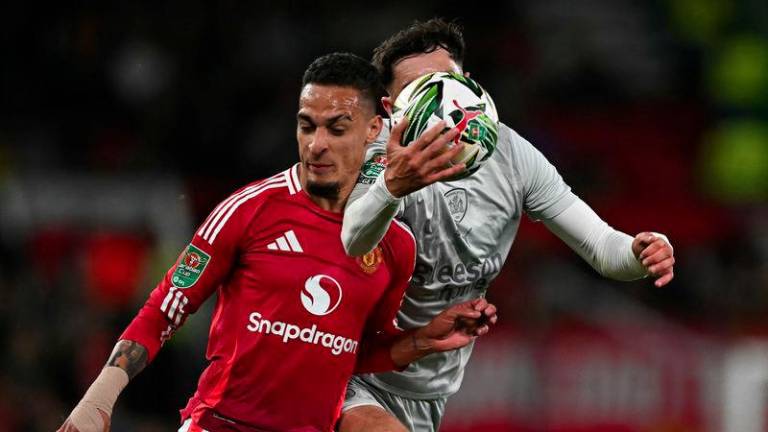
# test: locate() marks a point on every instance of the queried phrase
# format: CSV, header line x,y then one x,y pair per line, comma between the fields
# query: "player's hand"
x,y
86,418
458,325
656,255
423,162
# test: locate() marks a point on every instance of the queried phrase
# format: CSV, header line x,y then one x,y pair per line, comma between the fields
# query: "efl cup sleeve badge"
x,y
372,168
190,267
370,262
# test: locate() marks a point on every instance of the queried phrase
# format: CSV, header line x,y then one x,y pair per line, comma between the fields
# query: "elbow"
x,y
351,247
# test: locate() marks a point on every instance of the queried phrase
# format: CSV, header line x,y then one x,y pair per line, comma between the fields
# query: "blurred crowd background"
x,y
123,123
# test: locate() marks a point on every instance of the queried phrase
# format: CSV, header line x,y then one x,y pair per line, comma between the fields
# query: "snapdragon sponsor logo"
x,y
311,335
321,295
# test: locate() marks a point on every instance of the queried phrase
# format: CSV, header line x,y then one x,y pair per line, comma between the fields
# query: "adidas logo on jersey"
x,y
286,242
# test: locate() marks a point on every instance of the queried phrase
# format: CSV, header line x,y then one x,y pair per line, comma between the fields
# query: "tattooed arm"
x,y
180,293
94,411
129,356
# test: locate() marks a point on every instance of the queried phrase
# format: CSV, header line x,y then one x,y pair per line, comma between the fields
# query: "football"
x,y
459,101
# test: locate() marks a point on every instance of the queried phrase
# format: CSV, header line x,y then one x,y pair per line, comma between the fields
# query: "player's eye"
x,y
306,128
337,131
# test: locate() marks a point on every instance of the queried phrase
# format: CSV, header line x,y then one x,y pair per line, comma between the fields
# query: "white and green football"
x,y
462,103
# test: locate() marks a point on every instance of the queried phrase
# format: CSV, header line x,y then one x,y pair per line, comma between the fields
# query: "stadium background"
x,y
122,124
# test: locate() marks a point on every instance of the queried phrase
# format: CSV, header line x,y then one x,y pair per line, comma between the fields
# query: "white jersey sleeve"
x,y
548,198
370,207
607,250
545,194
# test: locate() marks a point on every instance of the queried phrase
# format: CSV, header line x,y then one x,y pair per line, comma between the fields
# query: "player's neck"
x,y
331,204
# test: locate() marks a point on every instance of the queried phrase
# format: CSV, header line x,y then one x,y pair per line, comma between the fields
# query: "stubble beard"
x,y
329,190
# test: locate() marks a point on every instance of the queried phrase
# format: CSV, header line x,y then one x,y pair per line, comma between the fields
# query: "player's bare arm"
x,y
94,411
422,163
129,356
453,328
657,256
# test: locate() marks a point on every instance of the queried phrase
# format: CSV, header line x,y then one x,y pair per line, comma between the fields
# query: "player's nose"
x,y
319,141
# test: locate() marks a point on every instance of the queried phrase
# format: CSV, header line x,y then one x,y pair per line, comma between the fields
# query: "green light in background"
x,y
739,73
700,20
734,161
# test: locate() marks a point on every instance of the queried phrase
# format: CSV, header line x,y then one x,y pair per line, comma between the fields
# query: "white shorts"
x,y
187,426
418,415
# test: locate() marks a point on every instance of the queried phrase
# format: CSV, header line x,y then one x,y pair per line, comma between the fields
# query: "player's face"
x,y
334,125
412,67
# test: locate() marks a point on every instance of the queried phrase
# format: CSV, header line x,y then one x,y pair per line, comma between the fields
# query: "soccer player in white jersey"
x,y
464,230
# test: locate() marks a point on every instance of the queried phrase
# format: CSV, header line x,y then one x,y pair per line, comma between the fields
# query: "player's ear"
x,y
386,102
374,128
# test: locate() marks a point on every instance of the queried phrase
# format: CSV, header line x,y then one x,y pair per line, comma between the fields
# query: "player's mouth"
x,y
319,168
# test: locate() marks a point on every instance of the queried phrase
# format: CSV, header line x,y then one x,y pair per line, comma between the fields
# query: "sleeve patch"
x,y
190,267
372,168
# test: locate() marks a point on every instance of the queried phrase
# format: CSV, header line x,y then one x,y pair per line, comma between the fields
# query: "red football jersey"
x,y
295,316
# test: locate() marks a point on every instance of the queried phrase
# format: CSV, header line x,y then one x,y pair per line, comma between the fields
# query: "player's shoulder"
x,y
283,183
514,147
375,158
242,205
508,136
379,145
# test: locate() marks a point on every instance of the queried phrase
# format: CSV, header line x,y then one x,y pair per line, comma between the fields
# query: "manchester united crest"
x,y
370,262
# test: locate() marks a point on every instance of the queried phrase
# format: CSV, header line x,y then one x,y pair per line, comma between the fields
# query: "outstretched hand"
x,y
656,255
458,325
421,163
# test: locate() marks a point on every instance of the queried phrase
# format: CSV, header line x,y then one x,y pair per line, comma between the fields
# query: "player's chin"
x,y
323,188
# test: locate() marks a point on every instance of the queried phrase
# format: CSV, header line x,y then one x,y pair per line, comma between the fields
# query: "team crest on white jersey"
x,y
321,295
457,203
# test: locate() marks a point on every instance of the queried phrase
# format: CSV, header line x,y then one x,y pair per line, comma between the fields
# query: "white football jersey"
x,y
464,230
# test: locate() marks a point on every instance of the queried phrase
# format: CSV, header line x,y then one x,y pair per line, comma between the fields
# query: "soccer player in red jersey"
x,y
295,316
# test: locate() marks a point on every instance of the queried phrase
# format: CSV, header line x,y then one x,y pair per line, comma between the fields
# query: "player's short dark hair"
x,y
346,70
419,38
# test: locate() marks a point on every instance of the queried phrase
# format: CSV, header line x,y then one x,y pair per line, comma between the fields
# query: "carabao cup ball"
x,y
461,103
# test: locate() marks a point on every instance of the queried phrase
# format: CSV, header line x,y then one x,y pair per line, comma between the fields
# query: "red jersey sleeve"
x,y
381,328
200,269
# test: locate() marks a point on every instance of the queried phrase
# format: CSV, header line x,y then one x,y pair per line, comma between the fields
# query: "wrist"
x,y
410,347
631,264
386,181
422,344
106,388
95,408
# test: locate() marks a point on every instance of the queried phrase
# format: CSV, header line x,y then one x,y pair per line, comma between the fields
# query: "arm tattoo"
x,y
129,356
